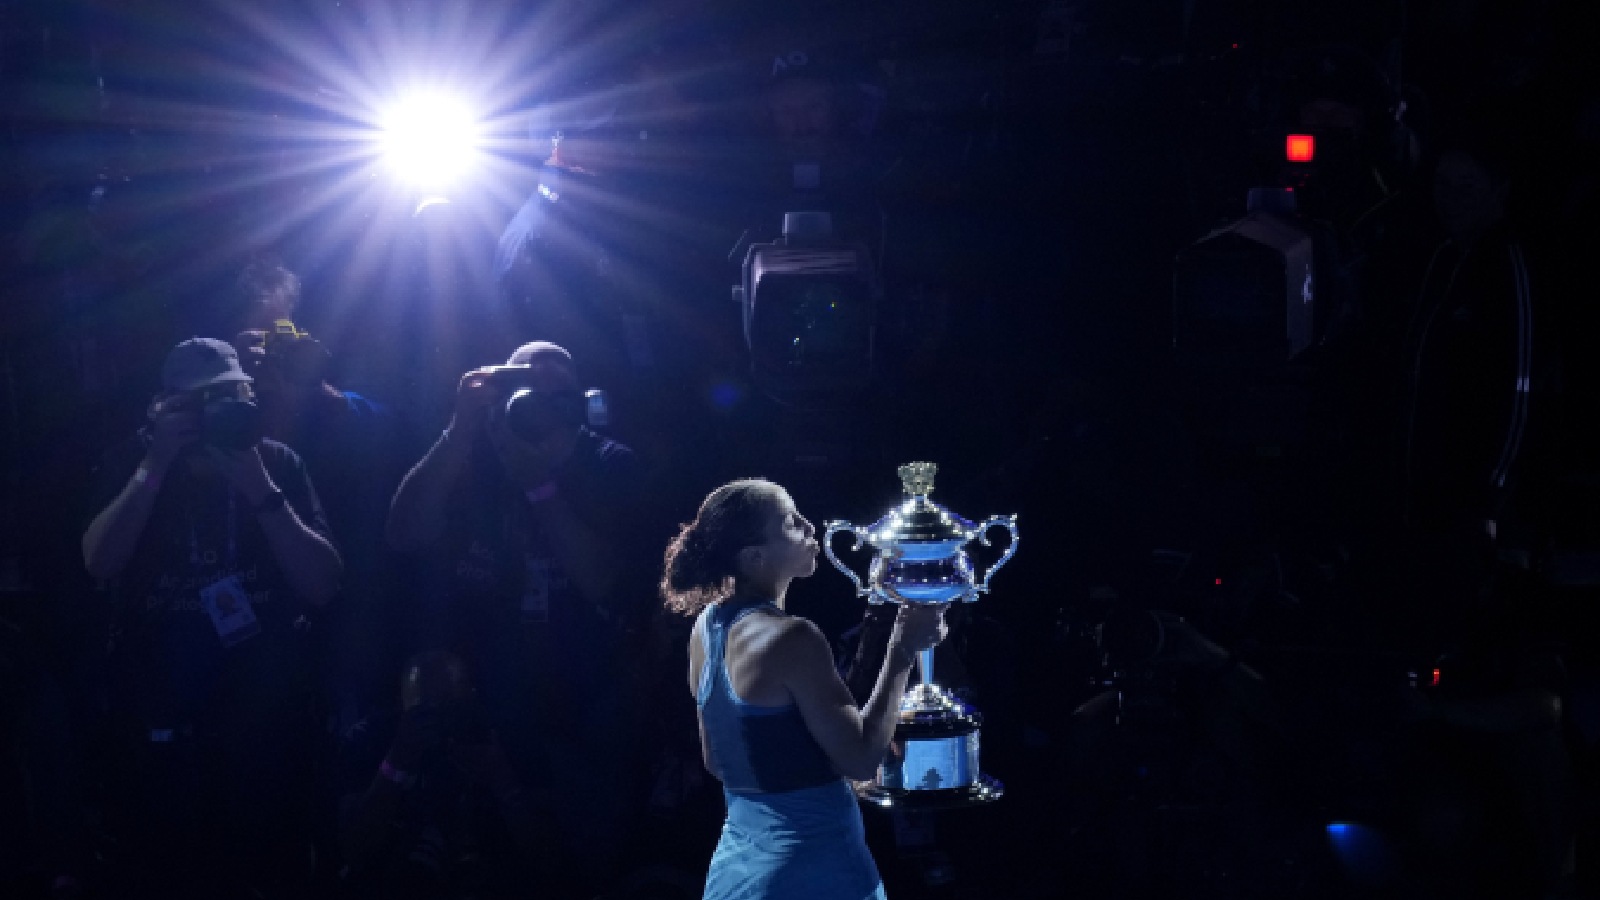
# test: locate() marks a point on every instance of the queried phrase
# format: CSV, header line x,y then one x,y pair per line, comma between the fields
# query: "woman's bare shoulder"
x,y
771,632
794,636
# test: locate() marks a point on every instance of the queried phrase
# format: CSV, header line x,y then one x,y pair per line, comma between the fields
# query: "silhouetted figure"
x,y
216,546
527,519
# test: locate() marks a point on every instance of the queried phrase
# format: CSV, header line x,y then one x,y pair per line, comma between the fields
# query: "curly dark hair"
x,y
701,562
265,276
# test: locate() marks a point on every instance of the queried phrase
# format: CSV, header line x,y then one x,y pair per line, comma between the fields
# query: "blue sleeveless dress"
x,y
793,830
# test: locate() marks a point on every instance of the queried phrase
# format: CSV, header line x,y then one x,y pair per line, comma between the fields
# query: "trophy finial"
x,y
918,478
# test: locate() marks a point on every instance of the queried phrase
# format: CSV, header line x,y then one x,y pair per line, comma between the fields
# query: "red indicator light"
x,y
1219,581
1435,682
1300,148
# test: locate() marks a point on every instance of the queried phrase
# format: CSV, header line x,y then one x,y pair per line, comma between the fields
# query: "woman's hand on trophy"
x,y
918,627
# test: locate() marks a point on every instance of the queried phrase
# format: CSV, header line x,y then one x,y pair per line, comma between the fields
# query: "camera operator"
x,y
530,514
216,544
432,806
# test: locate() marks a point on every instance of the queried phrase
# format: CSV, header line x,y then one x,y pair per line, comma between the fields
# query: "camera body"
x,y
231,423
229,419
809,304
533,414
293,354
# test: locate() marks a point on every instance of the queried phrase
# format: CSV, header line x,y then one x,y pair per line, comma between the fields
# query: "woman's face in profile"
x,y
791,546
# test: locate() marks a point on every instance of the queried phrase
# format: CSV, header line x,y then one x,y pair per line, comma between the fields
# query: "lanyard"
x,y
233,533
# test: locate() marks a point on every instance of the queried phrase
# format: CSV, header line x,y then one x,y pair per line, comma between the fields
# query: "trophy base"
x,y
982,792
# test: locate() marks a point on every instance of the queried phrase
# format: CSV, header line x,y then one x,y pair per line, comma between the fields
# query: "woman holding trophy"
x,y
778,727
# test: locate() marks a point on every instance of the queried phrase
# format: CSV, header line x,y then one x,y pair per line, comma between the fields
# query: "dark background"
x,y
1052,160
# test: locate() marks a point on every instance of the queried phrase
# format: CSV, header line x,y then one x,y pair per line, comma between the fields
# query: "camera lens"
x,y
533,415
231,424
524,416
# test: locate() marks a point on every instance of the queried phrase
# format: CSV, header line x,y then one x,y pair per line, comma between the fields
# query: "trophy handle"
x,y
1010,524
833,527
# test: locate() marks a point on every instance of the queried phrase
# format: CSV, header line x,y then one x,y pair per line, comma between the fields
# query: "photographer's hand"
x,y
309,562
252,350
475,393
245,471
367,827
278,403
173,429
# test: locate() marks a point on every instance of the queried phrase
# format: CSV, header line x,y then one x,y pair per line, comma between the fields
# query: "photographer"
x,y
353,445
216,545
432,806
527,515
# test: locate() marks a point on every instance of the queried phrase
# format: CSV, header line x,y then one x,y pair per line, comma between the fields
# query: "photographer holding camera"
x,y
215,544
527,515
355,447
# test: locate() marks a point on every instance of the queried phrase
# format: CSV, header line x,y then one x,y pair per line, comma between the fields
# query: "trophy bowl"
x,y
921,581
920,558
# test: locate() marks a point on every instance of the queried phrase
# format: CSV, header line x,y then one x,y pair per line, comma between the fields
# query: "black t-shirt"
x,y
181,667
537,644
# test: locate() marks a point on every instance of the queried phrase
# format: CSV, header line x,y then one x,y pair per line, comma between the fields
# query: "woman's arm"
x,y
855,739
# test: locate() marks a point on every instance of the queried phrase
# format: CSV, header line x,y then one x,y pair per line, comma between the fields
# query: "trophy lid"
x,y
918,519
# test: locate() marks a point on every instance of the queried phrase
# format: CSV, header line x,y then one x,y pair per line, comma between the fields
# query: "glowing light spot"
x,y
430,139
1300,148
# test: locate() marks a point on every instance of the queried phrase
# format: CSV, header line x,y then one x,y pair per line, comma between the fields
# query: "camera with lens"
x,y
533,414
233,423
295,355
229,417
809,301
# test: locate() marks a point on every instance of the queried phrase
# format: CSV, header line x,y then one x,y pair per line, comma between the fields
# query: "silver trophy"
x,y
933,760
